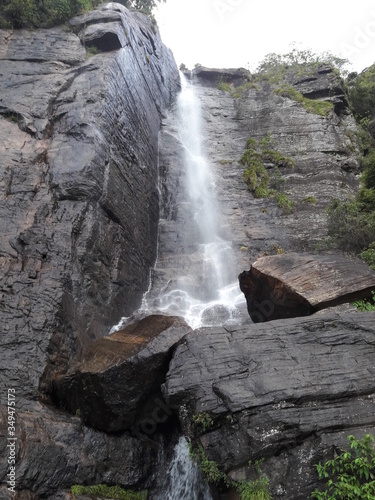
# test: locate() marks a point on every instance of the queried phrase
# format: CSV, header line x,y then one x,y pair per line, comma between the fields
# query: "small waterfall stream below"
x,y
184,481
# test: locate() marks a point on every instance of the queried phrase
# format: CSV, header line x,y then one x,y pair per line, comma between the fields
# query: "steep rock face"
x,y
285,391
323,150
79,195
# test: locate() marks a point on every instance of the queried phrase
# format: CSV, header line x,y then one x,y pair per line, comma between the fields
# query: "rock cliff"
x,y
79,214
80,200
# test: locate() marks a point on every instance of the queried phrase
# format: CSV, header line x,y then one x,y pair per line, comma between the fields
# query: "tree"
x,y
348,476
46,13
145,6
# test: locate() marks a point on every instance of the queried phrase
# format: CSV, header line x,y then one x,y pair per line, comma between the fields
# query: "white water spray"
x,y
205,291
184,478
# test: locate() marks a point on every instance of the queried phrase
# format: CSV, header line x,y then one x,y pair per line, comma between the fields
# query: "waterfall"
x,y
194,276
203,286
184,478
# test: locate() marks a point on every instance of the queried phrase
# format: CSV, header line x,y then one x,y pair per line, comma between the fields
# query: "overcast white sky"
x,y
239,33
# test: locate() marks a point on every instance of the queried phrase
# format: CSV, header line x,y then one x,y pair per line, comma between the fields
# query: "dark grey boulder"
x,y
287,391
117,374
292,285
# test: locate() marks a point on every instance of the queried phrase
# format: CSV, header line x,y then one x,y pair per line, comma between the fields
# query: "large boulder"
x,y
115,377
287,391
291,285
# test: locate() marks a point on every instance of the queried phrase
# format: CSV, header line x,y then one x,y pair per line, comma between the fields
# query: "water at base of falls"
x,y
184,480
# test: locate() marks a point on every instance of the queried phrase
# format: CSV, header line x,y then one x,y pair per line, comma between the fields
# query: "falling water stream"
x,y
204,287
184,477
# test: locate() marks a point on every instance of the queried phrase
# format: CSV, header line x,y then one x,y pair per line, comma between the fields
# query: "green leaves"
x,y
349,476
257,176
114,492
46,13
362,93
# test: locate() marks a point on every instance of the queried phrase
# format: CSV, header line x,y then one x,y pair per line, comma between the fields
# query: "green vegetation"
x,y
348,476
362,93
368,255
311,106
351,223
225,87
208,468
34,14
258,489
366,305
275,67
309,199
350,226
257,176
112,492
92,51
202,421
237,92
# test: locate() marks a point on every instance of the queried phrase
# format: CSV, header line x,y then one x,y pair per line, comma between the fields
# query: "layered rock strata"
x,y
288,391
79,214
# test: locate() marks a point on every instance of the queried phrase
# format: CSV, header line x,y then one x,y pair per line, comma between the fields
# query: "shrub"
x,y
321,108
350,228
366,305
257,489
256,176
349,477
208,468
113,492
362,93
203,421
225,87
368,255
309,199
285,203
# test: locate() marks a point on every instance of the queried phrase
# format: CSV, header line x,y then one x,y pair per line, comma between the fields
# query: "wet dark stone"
x,y
292,285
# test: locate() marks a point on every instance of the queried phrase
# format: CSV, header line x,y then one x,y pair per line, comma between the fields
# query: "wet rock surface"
x,y
80,209
323,149
292,285
117,374
55,450
79,214
285,391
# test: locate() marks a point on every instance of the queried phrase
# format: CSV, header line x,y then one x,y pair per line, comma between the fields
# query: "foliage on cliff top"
x,y
34,14
349,476
362,93
275,66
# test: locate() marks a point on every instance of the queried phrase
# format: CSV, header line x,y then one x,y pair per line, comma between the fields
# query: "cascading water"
x,y
204,289
184,481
